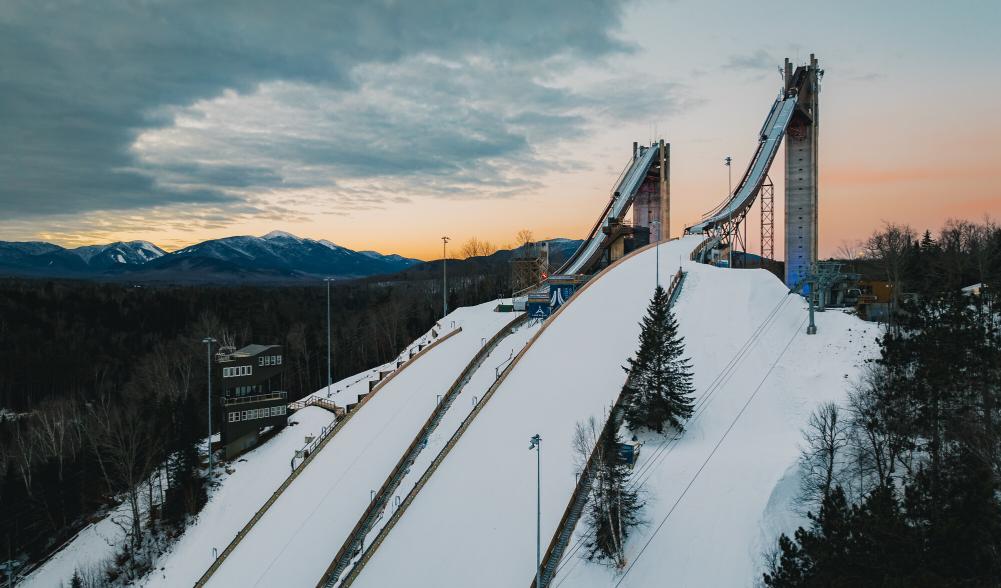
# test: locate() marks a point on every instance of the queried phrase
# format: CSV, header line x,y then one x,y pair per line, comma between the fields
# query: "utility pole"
x,y
329,379
444,279
536,444
729,175
208,356
656,225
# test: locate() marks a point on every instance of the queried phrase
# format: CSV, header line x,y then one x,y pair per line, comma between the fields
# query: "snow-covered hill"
x,y
473,524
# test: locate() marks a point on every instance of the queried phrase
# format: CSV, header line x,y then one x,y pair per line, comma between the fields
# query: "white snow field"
x,y
464,403
474,522
293,543
257,474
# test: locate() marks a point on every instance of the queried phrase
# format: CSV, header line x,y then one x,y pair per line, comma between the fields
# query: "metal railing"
x,y
234,400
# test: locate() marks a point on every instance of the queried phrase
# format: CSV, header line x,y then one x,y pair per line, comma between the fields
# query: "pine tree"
x,y
76,581
659,387
614,506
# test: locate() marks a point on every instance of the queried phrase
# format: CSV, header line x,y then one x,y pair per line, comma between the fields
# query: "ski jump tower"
x,y
795,116
801,170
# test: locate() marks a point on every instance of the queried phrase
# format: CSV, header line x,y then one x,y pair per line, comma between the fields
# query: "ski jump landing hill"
x,y
757,377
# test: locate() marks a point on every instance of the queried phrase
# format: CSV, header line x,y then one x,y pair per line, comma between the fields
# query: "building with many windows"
x,y
251,394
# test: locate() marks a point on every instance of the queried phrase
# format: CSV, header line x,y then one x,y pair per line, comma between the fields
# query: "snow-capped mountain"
x,y
35,257
127,253
276,256
286,253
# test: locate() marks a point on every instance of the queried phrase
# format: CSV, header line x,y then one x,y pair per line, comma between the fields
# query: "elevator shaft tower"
x,y
801,170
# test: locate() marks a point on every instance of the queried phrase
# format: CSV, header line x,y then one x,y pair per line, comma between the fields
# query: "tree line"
x,y
104,388
903,481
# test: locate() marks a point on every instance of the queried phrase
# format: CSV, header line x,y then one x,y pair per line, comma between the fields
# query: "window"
x,y
260,360
279,360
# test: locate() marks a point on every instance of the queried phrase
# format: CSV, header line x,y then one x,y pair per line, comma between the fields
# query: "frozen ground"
x,y
294,542
474,522
238,495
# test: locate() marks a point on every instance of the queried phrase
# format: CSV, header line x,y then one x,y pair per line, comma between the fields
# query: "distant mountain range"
x,y
277,257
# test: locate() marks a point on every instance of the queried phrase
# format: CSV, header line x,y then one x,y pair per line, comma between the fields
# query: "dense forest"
x,y
103,386
903,481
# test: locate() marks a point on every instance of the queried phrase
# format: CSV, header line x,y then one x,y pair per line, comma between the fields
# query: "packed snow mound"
x,y
474,522
294,542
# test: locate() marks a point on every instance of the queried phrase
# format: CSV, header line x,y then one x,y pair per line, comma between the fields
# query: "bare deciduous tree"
x,y
826,435
890,248
477,248
524,237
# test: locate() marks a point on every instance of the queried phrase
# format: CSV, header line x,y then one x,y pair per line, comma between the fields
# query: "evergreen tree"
x,y
659,387
614,506
76,581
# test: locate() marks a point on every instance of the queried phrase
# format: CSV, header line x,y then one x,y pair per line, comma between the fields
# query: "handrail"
x,y
412,495
217,563
378,503
578,499
256,398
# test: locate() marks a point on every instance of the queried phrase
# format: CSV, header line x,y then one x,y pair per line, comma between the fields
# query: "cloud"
x,y
760,59
94,93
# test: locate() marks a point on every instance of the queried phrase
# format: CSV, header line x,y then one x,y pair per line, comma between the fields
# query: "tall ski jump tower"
x,y
801,170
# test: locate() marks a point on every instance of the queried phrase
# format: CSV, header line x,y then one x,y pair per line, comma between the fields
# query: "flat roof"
x,y
252,350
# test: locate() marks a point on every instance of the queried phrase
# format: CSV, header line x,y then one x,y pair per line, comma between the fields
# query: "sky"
x,y
387,124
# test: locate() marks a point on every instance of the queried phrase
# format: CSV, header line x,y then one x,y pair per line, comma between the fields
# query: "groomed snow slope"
x,y
257,475
464,403
295,540
238,495
474,522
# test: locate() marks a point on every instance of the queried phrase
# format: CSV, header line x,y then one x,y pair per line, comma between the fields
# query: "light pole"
x,y
208,341
656,225
729,176
329,379
444,280
536,444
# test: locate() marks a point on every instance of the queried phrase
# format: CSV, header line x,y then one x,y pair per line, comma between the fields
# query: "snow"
x,y
280,235
257,475
294,542
463,404
474,522
231,504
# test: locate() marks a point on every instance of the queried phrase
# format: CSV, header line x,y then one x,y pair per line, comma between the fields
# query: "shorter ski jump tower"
x,y
795,114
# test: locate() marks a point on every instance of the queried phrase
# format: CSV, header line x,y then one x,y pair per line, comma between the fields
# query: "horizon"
x,y
201,129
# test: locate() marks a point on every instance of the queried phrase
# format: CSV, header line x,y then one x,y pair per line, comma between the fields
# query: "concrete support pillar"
x,y
801,193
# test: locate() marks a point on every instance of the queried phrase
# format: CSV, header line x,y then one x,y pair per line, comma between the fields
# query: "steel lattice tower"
x,y
767,220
